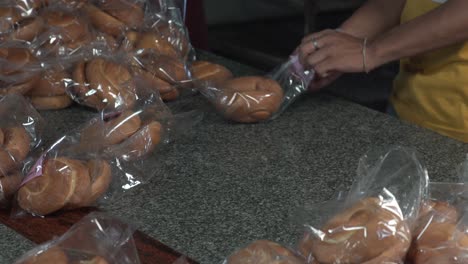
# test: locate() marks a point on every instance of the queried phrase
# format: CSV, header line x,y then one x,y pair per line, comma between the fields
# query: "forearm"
x,y
441,27
373,18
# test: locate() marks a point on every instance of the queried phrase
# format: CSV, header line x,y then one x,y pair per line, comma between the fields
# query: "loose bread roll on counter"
x,y
50,91
18,71
209,72
264,252
248,99
65,184
367,232
436,238
101,82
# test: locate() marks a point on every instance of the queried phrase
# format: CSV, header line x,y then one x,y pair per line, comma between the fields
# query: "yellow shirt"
x,y
431,89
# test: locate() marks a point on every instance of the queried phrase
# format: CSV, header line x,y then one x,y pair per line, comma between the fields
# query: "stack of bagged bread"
x,y
96,239
20,133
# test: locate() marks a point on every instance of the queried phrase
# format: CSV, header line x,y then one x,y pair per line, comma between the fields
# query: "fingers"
x,y
317,35
318,56
324,67
312,43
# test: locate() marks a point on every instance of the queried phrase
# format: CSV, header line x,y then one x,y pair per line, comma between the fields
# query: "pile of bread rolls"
x,y
369,232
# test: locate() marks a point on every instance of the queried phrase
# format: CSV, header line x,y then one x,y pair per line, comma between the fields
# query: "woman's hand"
x,y
331,51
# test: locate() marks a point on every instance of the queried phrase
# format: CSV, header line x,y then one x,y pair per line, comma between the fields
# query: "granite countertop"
x,y
221,185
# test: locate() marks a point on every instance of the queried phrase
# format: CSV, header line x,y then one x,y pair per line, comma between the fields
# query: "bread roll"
x,y
14,26
140,144
72,27
101,177
156,42
15,148
177,36
249,99
50,83
9,184
56,186
212,73
52,255
436,238
101,82
20,63
128,11
264,252
367,233
167,91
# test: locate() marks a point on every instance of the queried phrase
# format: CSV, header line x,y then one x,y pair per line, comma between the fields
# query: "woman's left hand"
x,y
334,51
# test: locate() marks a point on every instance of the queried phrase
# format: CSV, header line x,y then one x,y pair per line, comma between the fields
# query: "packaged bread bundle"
x,y
19,68
19,20
21,130
373,223
441,231
101,81
96,239
67,34
264,252
251,99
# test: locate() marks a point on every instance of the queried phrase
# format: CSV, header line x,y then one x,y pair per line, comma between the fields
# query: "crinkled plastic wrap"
x,y
95,239
19,68
21,130
254,99
441,232
102,81
372,224
264,252
19,20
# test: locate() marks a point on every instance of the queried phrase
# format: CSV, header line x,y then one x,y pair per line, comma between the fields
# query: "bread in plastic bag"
x,y
96,239
21,130
441,233
19,20
264,252
252,99
372,224
19,68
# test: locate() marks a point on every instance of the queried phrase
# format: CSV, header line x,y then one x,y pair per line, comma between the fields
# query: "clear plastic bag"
x,y
264,252
102,81
256,98
441,232
95,239
19,68
372,223
21,129
19,20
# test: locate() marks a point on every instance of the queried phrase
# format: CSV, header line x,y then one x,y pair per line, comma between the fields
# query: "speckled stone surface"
x,y
222,185
13,245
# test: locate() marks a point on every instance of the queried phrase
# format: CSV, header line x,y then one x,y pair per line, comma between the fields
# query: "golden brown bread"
x,y
72,26
9,184
249,99
156,42
51,102
56,186
167,91
50,83
101,82
367,233
101,176
264,252
15,148
20,61
436,238
104,22
178,37
143,142
13,26
52,255
212,73
128,11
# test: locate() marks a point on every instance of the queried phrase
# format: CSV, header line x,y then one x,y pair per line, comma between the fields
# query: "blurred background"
x,y
262,34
